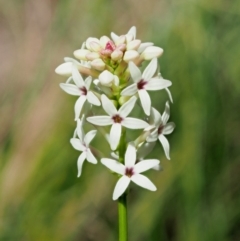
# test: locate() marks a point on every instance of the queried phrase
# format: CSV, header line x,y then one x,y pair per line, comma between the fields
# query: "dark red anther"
x,y
129,171
141,84
83,90
117,118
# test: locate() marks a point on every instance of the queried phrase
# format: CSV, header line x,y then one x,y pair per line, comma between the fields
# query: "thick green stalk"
x,y
122,218
122,201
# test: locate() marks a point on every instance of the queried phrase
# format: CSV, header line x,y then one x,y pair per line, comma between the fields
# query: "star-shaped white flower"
x,y
130,171
82,89
161,128
144,82
117,118
82,144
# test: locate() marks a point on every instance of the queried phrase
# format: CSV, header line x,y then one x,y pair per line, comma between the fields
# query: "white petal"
x,y
130,90
132,31
166,113
127,107
130,155
169,94
80,131
115,135
155,117
135,72
121,187
70,89
153,136
150,69
108,106
76,143
157,84
88,82
168,128
144,182
77,78
80,161
89,136
145,101
145,165
114,36
78,105
113,165
90,157
100,120
165,145
134,123
93,99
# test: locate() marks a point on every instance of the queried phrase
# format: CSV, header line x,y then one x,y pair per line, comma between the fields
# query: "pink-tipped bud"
x,y
130,55
151,52
116,55
134,45
98,64
81,54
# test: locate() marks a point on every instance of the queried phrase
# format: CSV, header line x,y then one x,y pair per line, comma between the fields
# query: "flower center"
x,y
129,171
160,129
141,84
83,90
117,118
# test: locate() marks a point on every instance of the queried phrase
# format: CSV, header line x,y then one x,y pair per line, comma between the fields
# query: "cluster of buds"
x,y
108,81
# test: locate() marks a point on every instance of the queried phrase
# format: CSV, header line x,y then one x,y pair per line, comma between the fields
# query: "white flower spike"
x,y
161,128
144,82
82,144
130,171
117,118
81,88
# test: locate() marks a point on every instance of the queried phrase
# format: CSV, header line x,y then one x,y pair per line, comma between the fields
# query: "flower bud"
x,y
98,64
81,53
120,40
151,52
130,55
91,56
95,46
143,46
106,78
116,55
121,47
64,69
123,99
134,44
103,41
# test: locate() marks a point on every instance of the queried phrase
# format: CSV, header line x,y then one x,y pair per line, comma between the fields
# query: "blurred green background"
x,y
198,196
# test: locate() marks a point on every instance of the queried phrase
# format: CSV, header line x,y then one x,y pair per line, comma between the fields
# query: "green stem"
x,y
122,218
122,201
